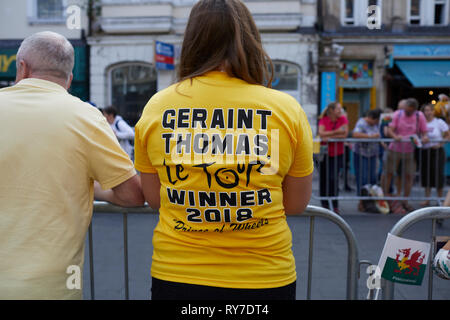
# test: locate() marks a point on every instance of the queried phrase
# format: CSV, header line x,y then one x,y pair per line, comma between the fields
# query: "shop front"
x,y
420,71
356,88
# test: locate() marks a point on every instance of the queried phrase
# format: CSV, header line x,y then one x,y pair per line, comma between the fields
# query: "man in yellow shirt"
x,y
53,147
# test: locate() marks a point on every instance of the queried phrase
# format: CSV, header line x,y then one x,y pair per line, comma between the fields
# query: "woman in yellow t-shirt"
x,y
224,158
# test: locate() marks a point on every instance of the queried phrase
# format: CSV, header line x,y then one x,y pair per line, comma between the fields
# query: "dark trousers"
x,y
167,290
329,178
365,171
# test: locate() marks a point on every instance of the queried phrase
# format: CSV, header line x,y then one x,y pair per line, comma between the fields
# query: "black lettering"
x,y
245,118
167,137
205,166
183,115
175,197
250,167
199,115
247,198
191,195
186,143
166,123
230,185
218,119
169,176
193,215
243,145
228,199
207,199
264,195
264,114
261,145
179,168
218,144
230,119
212,215
244,214
204,148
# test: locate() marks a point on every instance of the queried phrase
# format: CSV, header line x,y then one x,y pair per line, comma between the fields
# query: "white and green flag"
x,y
403,260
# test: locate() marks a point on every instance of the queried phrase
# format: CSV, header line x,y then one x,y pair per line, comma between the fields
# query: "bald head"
x,y
46,54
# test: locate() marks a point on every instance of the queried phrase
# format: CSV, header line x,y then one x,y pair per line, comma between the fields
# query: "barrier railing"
x,y
431,213
311,211
368,159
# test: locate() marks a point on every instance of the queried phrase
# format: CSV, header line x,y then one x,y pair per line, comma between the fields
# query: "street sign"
x,y
164,56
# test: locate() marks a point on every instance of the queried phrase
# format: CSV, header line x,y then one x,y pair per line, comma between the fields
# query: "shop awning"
x,y
426,73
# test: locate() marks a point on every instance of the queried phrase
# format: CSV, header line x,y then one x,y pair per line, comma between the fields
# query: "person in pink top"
x,y
333,124
405,124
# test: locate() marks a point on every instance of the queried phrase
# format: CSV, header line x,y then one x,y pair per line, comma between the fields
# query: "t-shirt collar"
x,y
41,83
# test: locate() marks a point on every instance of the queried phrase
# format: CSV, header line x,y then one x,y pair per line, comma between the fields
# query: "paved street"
x,y
329,262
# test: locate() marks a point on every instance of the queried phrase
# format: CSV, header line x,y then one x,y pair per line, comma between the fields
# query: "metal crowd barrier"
x,y
330,169
431,213
311,211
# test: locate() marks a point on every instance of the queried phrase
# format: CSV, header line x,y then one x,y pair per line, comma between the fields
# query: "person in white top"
x,y
433,154
123,132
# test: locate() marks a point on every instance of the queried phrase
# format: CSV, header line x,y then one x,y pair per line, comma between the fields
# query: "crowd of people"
x,y
419,136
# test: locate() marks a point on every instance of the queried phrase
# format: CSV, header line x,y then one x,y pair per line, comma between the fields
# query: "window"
x,y
286,78
439,12
428,13
46,11
50,9
414,12
132,85
349,12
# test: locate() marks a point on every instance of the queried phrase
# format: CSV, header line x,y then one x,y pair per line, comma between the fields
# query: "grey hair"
x,y
47,53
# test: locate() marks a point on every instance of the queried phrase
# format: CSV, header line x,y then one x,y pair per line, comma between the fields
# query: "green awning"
x,y
426,73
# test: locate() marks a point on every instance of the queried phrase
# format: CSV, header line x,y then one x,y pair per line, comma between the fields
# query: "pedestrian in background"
x,y
239,245
332,125
405,124
53,147
432,154
123,132
366,153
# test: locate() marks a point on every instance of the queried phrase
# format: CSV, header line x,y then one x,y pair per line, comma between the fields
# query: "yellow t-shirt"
x,y
221,148
52,147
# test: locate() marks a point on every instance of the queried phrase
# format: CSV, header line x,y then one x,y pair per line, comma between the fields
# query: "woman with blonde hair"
x,y
332,125
225,158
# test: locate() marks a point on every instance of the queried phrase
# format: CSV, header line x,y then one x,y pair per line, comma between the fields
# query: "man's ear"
x,y
69,82
23,72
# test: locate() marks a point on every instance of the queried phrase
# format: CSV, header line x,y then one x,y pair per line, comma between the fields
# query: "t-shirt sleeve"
x,y
303,165
359,127
142,161
109,164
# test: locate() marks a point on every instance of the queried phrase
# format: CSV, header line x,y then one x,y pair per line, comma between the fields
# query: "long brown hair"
x,y
223,33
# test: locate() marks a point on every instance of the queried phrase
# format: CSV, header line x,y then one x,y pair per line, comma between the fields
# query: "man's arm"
x,y
127,194
296,193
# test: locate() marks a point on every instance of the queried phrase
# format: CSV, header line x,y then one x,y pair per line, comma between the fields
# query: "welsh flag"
x,y
403,260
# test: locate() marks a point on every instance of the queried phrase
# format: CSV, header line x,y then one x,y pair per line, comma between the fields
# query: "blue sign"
x,y
164,56
421,50
327,89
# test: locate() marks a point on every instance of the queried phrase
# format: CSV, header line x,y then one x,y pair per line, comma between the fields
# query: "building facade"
x,y
19,19
126,33
379,55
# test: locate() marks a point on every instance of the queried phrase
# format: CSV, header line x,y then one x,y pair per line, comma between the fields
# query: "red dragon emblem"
x,y
407,263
